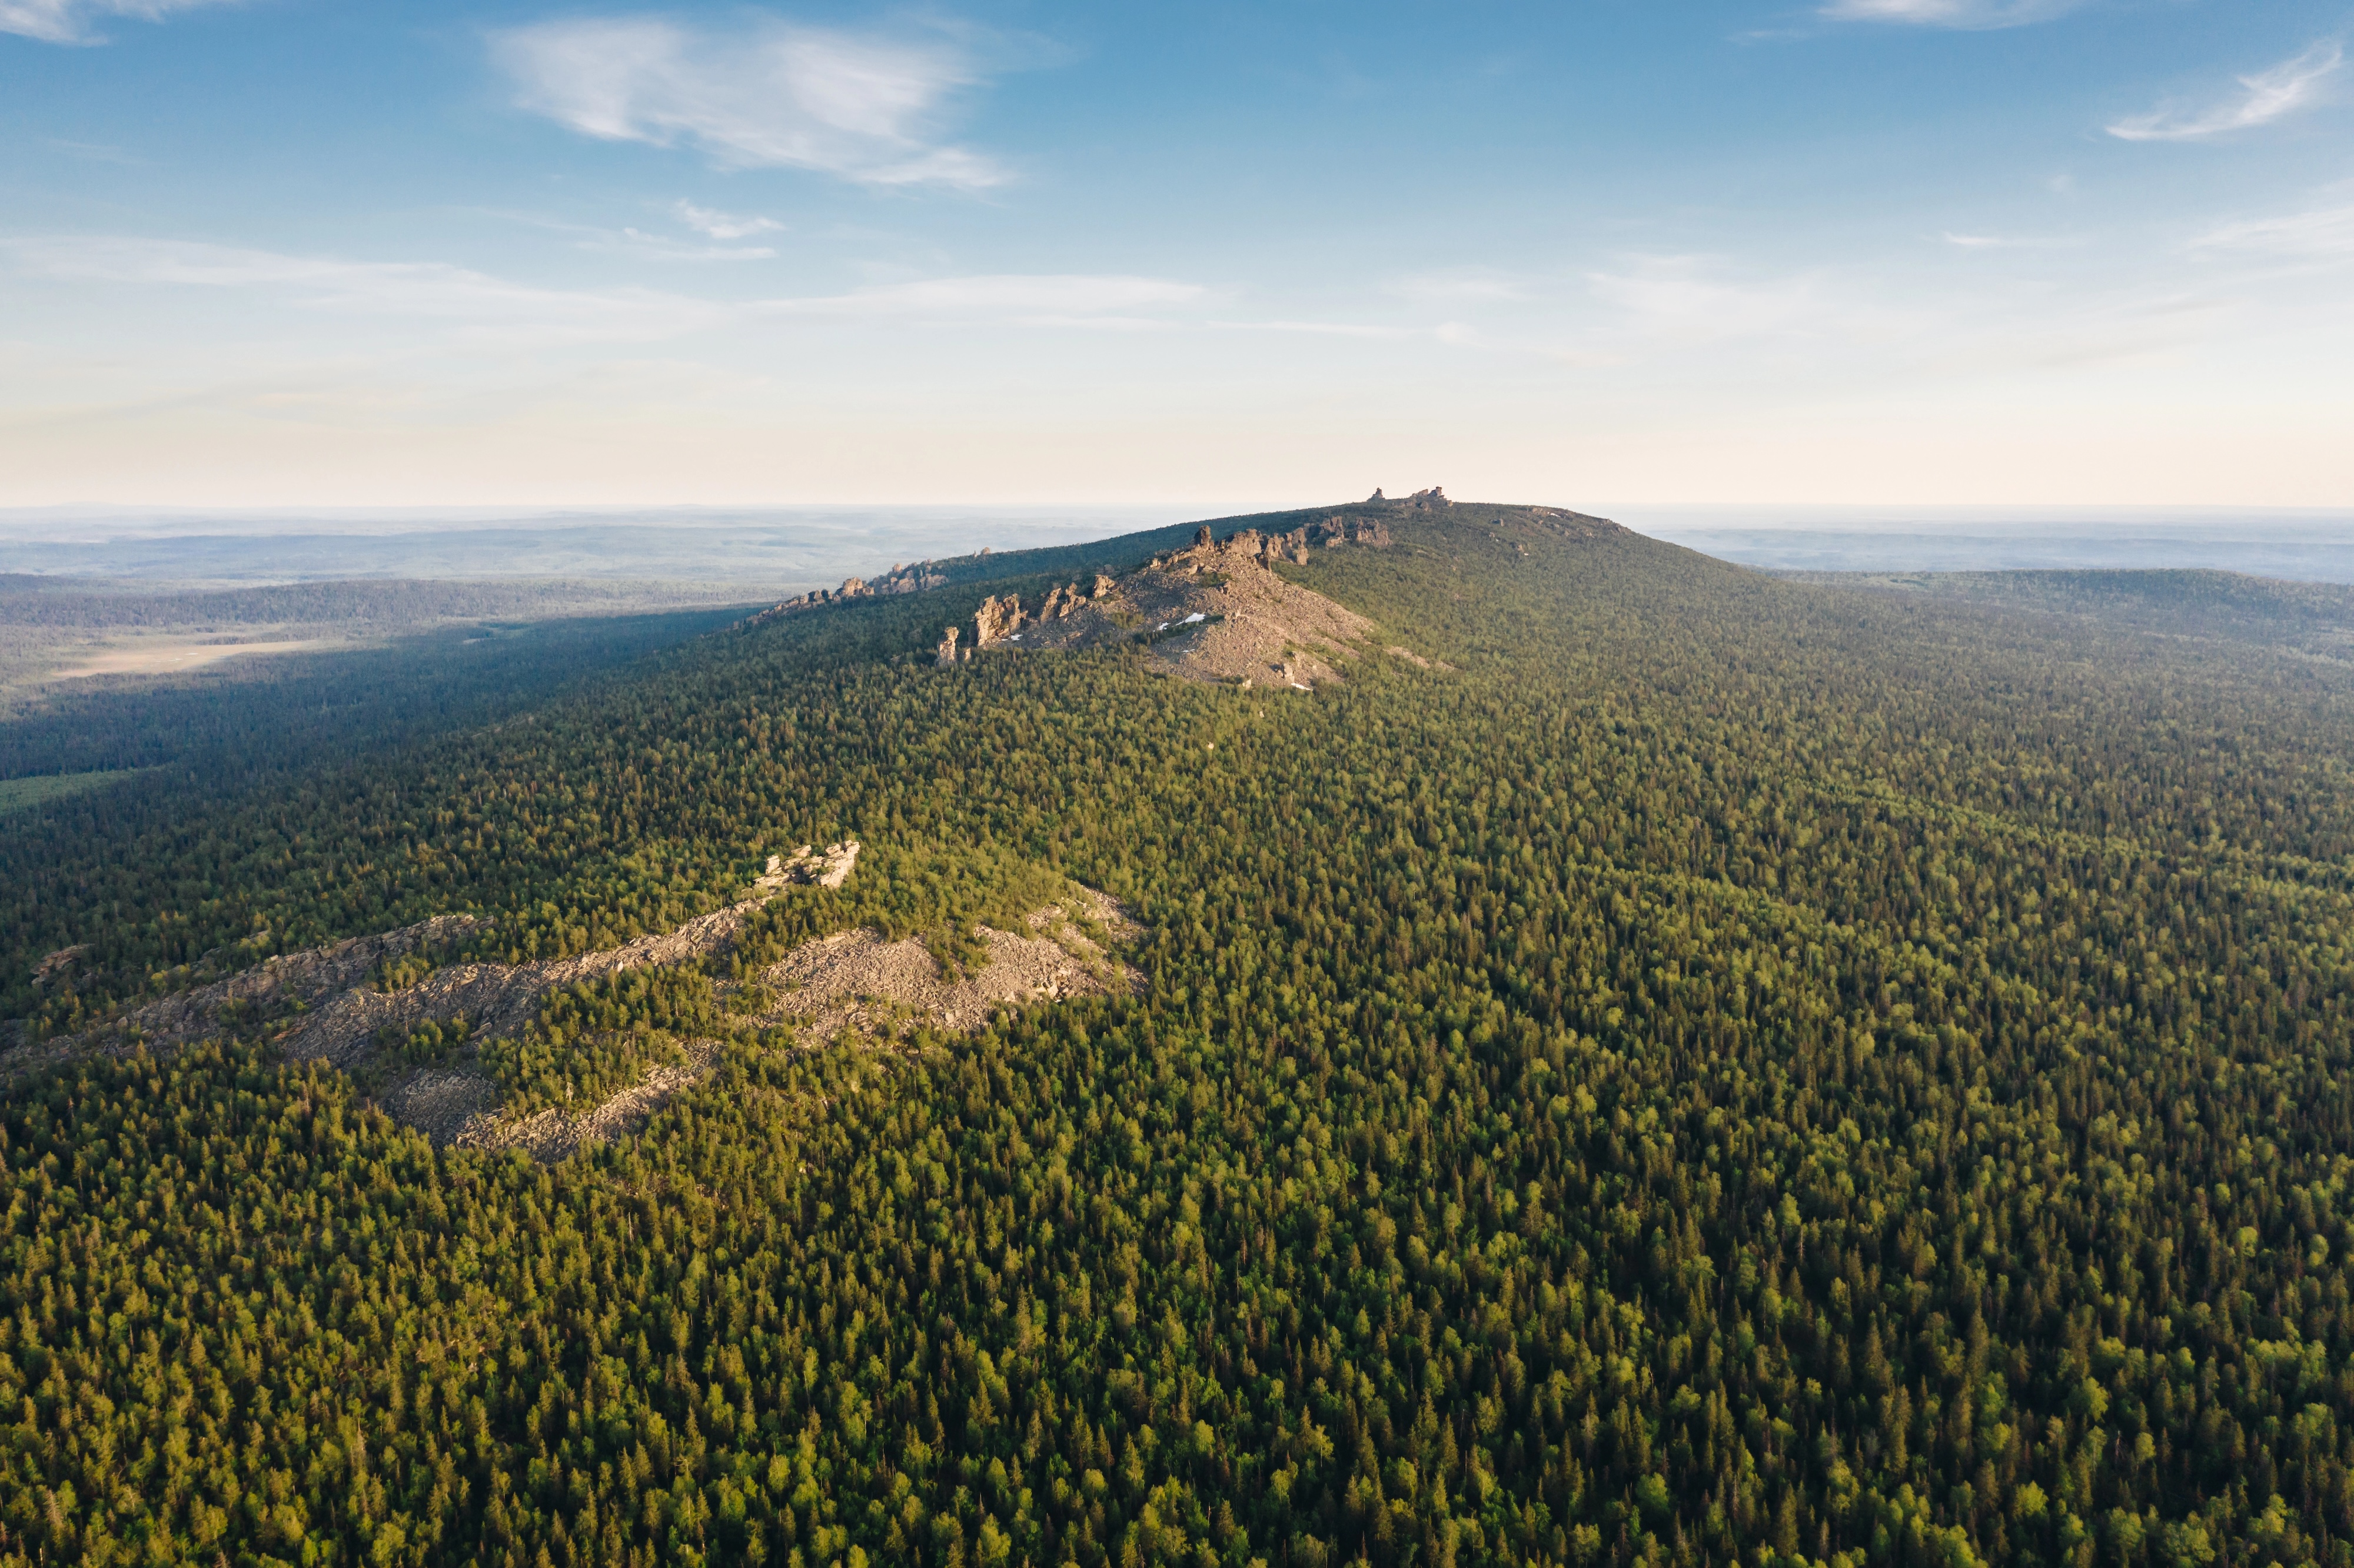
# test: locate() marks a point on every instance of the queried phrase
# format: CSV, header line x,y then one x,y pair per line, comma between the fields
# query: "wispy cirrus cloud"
x,y
769,94
663,248
628,241
480,305
2320,234
76,21
1968,15
1689,298
1032,297
2267,96
1331,328
1667,308
458,297
2009,241
716,225
1462,285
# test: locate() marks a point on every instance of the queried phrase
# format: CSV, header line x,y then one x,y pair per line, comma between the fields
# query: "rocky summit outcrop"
x,y
1000,619
916,578
1214,610
808,867
1325,533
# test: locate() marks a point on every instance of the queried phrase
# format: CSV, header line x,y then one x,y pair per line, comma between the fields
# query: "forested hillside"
x,y
1731,1068
2316,619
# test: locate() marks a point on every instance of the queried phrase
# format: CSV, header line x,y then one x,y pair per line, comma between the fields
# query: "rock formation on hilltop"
x,y
1000,619
996,619
1213,611
1430,500
901,579
811,867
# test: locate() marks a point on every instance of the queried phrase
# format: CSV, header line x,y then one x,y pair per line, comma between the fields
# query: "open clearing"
x,y
167,656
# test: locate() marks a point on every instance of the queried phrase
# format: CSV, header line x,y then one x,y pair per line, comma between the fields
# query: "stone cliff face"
x,y
1209,611
1066,616
1328,533
996,619
1000,620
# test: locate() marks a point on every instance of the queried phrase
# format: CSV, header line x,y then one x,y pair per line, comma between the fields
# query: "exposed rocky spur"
x,y
1216,610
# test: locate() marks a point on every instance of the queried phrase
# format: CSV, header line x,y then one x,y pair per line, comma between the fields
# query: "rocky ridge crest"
x,y
1214,610
916,578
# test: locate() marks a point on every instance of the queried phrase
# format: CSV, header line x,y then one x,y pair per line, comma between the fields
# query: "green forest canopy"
x,y
1736,1068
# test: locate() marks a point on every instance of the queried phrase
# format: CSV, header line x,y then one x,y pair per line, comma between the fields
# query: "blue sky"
x,y
1928,251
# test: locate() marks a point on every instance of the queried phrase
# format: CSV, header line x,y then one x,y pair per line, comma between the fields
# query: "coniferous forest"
x,y
1714,1069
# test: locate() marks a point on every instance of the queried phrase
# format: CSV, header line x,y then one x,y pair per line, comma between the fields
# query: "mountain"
x,y
1640,1061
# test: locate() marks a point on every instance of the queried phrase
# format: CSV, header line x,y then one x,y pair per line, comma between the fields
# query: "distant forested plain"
x,y
49,625
1732,1068
232,725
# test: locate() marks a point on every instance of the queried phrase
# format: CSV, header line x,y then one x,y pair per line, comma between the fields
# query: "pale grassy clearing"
x,y
170,656
23,794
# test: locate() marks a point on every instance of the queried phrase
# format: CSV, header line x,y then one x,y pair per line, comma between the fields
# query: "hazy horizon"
x,y
785,549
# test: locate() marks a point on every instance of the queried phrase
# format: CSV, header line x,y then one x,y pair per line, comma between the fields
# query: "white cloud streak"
x,y
2324,234
2267,96
2006,241
771,95
1968,15
1331,329
1038,298
660,248
482,307
717,225
1683,299
75,21
1463,285
429,291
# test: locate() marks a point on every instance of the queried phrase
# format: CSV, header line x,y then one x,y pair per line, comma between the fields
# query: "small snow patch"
x,y
1189,620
